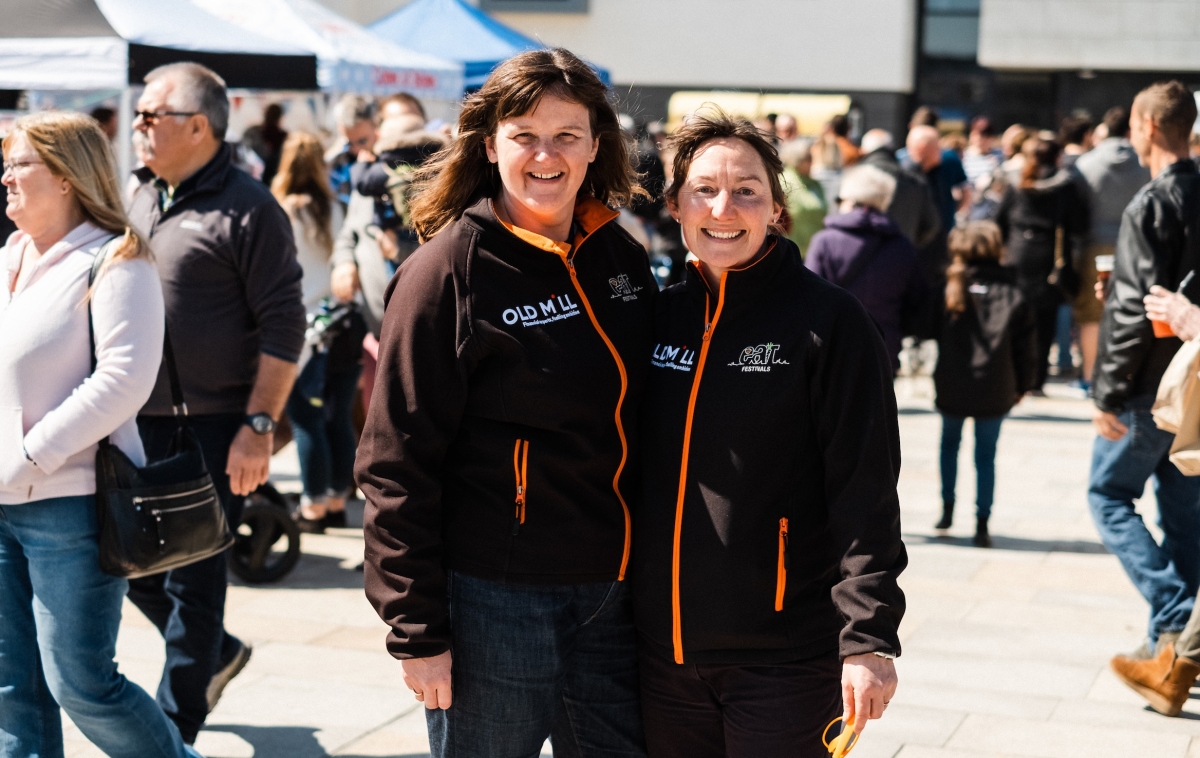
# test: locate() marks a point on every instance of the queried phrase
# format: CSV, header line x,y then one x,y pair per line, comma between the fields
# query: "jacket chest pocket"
x,y
520,472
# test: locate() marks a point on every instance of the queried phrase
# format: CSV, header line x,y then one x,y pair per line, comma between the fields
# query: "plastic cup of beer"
x,y
1104,267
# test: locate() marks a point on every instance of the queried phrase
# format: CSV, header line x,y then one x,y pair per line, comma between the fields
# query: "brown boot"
x,y
1163,680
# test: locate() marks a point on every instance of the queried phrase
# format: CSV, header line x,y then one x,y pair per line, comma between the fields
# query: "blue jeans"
x,y
987,433
1062,335
535,661
187,604
1167,575
59,615
325,439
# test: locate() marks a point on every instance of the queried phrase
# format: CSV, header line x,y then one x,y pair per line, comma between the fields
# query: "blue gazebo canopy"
x,y
457,31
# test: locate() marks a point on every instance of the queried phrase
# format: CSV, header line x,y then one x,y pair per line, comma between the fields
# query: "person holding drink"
x,y
1157,246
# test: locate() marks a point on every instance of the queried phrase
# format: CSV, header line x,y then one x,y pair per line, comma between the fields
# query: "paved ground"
x,y
1005,650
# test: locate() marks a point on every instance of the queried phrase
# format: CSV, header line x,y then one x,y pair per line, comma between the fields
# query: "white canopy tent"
x,y
350,58
113,44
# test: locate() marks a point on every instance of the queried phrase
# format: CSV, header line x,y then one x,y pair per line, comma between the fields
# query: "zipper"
x,y
616,482
151,498
781,569
709,326
520,467
158,512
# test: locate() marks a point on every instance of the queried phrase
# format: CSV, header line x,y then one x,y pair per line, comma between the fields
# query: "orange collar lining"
x,y
590,215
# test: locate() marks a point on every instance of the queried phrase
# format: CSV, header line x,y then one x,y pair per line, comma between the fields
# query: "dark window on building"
x,y
951,29
535,6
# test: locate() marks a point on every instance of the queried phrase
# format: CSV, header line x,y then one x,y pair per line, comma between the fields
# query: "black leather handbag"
x,y
163,515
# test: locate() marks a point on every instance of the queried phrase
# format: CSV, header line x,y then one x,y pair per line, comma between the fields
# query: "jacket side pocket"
x,y
781,567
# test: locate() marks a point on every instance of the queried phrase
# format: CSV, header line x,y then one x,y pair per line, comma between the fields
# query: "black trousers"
x,y
1047,327
187,604
715,711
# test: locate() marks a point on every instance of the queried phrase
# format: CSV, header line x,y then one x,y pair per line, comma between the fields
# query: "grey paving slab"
x,y
1006,650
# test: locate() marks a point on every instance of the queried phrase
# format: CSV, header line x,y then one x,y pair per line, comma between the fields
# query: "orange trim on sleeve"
x,y
709,328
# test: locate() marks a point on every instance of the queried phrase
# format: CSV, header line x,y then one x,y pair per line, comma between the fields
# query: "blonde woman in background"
x,y
60,613
320,405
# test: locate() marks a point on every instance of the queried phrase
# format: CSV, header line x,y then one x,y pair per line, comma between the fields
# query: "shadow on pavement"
x,y
314,572
1049,418
1000,542
286,742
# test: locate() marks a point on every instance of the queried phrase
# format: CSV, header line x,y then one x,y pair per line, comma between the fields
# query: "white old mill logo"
x,y
759,358
678,358
556,308
623,288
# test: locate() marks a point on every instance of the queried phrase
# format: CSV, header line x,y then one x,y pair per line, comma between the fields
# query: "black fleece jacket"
x,y
1159,243
987,355
500,439
769,525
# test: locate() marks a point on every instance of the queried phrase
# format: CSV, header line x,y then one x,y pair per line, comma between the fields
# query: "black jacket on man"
x,y
987,355
912,208
1159,243
769,526
231,282
501,439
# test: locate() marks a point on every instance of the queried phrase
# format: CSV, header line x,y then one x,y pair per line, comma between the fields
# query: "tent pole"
x,y
125,136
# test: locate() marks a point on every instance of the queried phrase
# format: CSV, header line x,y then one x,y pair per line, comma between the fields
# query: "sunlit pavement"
x,y
1005,650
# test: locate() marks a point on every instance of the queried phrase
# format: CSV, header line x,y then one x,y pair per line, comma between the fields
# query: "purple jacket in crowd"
x,y
864,252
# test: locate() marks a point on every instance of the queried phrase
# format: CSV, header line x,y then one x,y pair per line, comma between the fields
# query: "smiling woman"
x,y
495,458
768,527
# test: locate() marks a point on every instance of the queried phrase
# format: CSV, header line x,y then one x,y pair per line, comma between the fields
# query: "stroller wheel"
x,y
265,521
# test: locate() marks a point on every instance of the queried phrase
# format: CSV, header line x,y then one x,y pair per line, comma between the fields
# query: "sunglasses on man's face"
x,y
150,117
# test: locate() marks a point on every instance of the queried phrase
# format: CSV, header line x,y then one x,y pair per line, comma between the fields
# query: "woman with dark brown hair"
x,y
1040,219
496,455
767,544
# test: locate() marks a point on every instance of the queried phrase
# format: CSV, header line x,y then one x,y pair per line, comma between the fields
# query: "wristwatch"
x,y
260,423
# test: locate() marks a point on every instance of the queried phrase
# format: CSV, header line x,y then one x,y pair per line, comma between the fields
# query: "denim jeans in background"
x,y
536,661
325,438
187,604
987,432
1167,575
1062,336
59,615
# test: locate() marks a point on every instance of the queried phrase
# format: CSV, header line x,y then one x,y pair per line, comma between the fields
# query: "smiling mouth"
x,y
546,177
724,236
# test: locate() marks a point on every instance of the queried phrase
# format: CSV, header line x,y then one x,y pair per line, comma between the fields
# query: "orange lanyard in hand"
x,y
841,745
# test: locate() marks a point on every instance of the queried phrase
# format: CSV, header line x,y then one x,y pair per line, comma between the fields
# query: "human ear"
x,y
595,149
489,145
672,206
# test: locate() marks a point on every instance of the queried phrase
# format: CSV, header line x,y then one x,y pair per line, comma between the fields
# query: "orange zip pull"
x,y
520,469
781,569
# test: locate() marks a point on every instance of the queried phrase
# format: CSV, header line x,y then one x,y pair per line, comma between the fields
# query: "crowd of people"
x,y
571,529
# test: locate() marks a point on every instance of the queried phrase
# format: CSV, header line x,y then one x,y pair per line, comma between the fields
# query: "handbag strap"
x,y
177,402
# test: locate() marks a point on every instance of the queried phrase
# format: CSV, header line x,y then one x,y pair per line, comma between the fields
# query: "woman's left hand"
x,y
868,684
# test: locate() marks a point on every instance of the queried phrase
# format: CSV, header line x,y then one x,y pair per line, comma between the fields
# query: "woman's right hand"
x,y
429,679
344,281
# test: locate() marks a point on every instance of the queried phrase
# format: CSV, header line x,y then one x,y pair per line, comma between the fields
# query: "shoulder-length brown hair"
x,y
713,124
457,177
73,147
302,184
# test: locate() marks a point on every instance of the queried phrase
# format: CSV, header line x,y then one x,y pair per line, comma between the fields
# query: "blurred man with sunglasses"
x,y
231,286
355,118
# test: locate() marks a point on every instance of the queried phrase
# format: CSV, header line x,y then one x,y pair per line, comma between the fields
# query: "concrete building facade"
x,y
1032,61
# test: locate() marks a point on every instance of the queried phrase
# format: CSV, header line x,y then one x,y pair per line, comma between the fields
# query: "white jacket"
x,y
52,407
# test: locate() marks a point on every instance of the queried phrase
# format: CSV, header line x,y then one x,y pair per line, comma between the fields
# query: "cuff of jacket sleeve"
x,y
863,646
405,650
282,354
42,454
